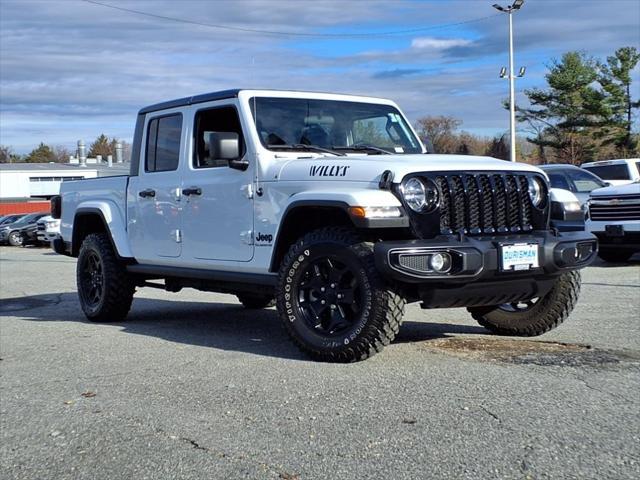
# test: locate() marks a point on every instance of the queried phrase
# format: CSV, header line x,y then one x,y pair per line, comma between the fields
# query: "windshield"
x,y
292,123
28,219
584,181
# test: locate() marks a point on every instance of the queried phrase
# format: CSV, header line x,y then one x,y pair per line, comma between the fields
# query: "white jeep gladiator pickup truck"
x,y
328,205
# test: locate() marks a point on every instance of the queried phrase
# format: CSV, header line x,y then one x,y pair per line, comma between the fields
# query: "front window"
x,y
347,127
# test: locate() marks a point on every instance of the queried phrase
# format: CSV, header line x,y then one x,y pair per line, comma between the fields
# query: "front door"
x,y
155,200
218,208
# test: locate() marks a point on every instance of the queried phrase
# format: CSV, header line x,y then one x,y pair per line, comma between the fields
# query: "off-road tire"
x,y
614,256
252,301
544,315
118,287
380,314
15,239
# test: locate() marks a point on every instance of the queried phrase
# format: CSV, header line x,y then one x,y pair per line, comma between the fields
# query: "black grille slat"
x,y
526,205
459,202
513,204
487,204
484,203
501,204
473,204
445,205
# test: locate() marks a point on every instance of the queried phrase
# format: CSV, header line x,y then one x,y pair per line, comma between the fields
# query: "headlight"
x,y
536,192
420,196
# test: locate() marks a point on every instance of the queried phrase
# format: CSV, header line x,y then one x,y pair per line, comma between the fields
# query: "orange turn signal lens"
x,y
358,212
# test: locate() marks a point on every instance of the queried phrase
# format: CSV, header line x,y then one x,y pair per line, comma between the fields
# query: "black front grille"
x,y
484,203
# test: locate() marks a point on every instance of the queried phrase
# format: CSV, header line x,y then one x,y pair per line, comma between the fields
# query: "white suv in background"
x,y
617,172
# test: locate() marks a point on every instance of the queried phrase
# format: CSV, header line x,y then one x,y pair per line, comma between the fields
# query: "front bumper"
x,y
475,276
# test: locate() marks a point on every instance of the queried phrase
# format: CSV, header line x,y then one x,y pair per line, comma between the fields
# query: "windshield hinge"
x,y
386,179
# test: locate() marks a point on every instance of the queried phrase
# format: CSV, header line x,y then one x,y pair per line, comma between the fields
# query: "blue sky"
x,y
70,69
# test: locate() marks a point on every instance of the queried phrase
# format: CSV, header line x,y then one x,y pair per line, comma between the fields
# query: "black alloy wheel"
x,y
328,296
92,280
331,299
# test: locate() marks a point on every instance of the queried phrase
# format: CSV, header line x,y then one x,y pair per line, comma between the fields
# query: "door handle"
x,y
192,191
149,192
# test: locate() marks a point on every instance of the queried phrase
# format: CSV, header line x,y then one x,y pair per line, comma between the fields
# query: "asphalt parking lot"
x,y
193,386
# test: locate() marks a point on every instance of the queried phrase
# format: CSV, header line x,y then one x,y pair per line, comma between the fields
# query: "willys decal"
x,y
328,170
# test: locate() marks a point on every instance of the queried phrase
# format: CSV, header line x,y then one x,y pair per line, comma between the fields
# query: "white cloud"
x,y
433,43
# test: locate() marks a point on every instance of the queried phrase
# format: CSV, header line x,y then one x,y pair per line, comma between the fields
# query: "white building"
x,y
24,181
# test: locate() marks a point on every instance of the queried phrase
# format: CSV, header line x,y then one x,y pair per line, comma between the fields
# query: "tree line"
x,y
43,153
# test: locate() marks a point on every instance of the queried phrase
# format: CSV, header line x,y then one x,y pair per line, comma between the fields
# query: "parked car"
x,y
328,205
616,172
10,233
29,235
614,217
578,181
11,218
48,229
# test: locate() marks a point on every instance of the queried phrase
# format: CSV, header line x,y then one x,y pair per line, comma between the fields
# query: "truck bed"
x,y
92,193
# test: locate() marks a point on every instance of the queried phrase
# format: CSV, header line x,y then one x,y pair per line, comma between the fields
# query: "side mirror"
x,y
226,146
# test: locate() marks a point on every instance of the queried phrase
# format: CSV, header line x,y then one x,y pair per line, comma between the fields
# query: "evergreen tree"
x,y
615,78
41,154
102,146
498,149
572,111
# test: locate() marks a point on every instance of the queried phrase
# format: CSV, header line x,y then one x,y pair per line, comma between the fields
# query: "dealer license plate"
x,y
521,256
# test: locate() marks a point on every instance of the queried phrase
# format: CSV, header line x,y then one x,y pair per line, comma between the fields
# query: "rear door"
x,y
155,199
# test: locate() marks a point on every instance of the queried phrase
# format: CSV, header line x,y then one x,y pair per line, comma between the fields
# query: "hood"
x,y
369,168
628,189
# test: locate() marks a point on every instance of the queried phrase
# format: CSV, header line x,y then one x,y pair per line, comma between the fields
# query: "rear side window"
x,y
610,172
558,180
163,143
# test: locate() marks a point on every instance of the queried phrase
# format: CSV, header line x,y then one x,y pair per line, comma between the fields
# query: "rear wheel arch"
x,y
86,222
303,217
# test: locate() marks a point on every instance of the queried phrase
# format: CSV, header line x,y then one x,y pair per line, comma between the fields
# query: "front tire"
x,y
533,317
105,288
15,239
331,300
614,256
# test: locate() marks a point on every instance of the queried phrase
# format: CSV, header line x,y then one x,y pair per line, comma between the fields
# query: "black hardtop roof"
x,y
180,102
208,97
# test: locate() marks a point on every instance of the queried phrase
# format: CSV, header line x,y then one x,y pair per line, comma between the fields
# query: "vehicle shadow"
x,y
225,326
634,261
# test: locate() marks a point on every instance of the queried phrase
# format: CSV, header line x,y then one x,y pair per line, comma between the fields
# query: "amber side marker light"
x,y
375,212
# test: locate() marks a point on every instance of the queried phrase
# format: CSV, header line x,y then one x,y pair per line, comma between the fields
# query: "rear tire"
x,y
331,299
105,288
614,256
252,301
528,319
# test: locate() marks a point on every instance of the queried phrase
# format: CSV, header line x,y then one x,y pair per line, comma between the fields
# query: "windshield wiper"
x,y
365,147
304,146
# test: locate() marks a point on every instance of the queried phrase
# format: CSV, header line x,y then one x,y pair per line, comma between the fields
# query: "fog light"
x,y
440,262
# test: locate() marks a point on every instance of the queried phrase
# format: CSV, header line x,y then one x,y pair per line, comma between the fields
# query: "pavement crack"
x,y
489,412
617,396
195,444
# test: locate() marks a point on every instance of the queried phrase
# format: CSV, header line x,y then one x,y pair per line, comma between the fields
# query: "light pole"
x,y
517,4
